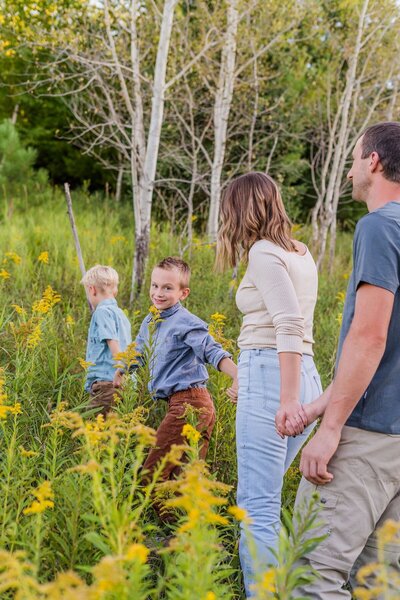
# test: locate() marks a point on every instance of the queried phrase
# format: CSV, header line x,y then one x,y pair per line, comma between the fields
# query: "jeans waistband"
x,y
271,353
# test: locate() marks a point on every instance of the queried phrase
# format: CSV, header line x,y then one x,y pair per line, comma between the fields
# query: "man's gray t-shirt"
x,y
376,260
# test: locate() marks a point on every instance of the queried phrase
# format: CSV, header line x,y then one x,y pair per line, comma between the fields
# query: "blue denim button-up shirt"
x,y
108,322
182,346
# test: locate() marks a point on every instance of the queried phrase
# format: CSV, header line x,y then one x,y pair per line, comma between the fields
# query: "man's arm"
x,y
362,352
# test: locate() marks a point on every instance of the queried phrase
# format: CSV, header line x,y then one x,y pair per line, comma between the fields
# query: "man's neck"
x,y
382,194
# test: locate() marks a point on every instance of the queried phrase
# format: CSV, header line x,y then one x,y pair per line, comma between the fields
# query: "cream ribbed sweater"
x,y
277,296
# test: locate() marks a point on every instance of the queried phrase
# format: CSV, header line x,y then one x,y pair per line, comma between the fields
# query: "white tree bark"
x,y
222,106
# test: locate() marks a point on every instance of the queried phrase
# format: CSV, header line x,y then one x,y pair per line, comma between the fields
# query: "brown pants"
x,y
102,396
170,429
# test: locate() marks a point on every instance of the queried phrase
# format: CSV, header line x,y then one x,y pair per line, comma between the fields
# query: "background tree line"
x,y
162,102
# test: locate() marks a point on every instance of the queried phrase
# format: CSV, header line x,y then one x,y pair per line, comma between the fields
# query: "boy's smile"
x,y
166,289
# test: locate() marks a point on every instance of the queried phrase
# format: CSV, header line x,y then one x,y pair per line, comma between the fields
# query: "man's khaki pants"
x,y
363,494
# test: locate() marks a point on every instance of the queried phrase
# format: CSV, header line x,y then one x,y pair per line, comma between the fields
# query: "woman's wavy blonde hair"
x,y
251,209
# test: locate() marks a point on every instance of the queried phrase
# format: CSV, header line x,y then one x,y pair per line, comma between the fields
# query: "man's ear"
x,y
374,162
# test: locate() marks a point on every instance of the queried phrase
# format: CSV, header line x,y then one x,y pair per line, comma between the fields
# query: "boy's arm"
x,y
227,366
115,349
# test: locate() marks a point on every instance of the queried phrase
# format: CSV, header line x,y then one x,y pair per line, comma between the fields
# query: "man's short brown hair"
x,y
384,139
173,262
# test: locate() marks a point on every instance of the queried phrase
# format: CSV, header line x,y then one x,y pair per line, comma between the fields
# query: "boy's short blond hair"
x,y
174,262
101,276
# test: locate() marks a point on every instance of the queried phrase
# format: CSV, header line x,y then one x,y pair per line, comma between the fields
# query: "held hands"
x,y
290,419
233,391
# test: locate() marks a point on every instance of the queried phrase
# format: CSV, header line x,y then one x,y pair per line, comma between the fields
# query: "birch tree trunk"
x,y
144,167
325,211
222,106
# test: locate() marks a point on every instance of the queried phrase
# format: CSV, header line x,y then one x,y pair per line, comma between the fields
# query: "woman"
x,y
277,375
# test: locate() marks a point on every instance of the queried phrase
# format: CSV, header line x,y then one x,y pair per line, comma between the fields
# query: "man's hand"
x,y
290,419
233,391
317,454
118,378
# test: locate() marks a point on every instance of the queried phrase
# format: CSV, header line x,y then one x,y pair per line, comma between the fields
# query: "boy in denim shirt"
x,y
182,346
109,334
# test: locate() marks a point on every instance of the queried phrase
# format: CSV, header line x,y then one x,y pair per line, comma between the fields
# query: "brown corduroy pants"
x,y
102,396
170,429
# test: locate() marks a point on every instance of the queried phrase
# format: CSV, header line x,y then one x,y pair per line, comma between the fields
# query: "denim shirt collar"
x,y
171,310
107,302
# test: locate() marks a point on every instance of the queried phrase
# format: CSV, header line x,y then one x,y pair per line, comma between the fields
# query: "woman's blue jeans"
x,y
263,457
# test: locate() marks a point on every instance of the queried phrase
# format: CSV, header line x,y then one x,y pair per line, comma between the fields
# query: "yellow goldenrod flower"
x,y
191,434
127,358
14,257
44,257
91,467
27,453
138,553
44,499
34,337
210,596
49,298
389,532
117,238
155,314
339,318
345,275
4,274
19,310
15,409
218,318
341,296
240,514
85,364
69,320
268,581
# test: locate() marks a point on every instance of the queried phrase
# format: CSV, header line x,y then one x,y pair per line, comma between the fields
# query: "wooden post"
x,y
76,238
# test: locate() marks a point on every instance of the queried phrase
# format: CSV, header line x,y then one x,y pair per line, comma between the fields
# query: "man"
x,y
353,461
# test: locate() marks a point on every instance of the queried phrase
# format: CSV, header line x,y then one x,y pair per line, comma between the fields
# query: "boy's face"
x,y
166,289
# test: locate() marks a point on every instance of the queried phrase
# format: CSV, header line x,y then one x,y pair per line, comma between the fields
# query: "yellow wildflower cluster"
x,y
4,274
216,329
27,453
98,432
49,299
12,257
191,434
381,579
155,315
85,364
44,499
240,514
19,310
117,238
35,337
265,588
44,257
197,497
6,409
127,358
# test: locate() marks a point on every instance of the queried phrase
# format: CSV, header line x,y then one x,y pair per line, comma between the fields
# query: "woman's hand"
x,y
233,390
290,419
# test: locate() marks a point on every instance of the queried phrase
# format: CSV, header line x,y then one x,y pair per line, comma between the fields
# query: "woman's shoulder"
x,y
267,248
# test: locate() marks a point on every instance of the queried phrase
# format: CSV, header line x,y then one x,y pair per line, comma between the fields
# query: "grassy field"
x,y
71,498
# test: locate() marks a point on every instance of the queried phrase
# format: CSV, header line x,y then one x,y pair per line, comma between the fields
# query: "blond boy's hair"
x,y
173,262
103,277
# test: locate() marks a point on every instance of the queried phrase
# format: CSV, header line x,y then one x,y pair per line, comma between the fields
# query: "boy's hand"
x,y
233,390
118,378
